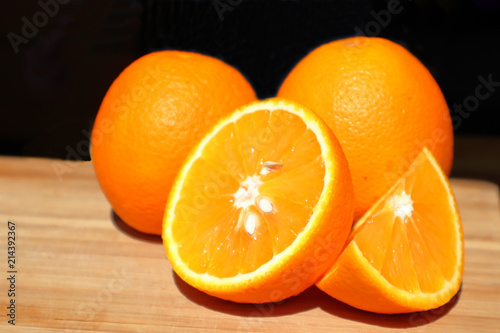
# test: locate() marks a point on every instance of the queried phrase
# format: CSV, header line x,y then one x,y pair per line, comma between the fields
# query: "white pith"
x,y
248,195
402,205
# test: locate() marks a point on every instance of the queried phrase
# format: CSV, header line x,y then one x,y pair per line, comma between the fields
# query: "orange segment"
x,y
407,252
262,206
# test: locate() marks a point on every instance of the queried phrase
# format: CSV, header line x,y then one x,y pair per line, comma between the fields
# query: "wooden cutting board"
x,y
78,268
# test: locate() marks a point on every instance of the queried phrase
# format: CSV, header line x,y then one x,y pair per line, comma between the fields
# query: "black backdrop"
x,y
58,57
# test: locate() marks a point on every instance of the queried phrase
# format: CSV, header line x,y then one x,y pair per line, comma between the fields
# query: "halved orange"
x,y
407,252
262,206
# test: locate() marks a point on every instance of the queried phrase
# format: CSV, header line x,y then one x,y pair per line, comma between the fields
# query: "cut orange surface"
x,y
262,206
407,252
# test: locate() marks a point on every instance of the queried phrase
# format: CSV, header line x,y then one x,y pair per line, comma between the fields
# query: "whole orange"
x,y
152,115
382,104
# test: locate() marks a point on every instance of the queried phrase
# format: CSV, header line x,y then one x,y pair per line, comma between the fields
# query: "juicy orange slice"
x,y
407,252
262,206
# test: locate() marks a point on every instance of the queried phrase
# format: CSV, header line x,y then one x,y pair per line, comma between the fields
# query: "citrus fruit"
x,y
152,115
407,252
381,102
262,206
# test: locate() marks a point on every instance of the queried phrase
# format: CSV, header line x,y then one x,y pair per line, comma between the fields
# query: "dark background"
x,y
52,87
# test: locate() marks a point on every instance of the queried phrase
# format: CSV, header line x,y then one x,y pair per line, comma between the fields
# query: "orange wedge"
x,y
262,206
407,252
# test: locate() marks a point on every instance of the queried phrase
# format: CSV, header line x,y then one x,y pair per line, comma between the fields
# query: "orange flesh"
x,y
283,166
415,242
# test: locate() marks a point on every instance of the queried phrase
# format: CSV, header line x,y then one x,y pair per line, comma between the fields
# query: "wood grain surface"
x,y
80,269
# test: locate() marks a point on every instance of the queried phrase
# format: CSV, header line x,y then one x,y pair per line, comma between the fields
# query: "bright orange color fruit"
x,y
262,206
152,115
382,104
407,252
